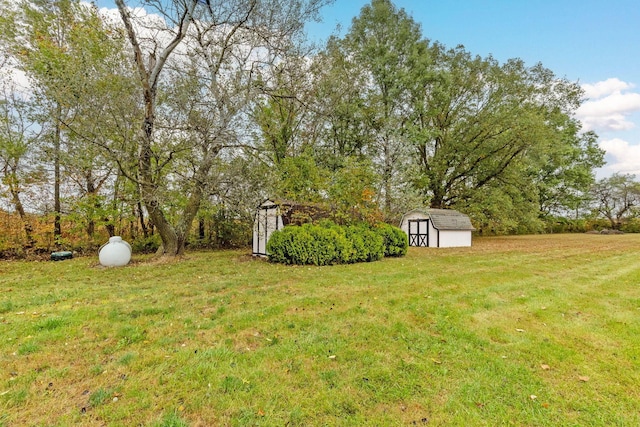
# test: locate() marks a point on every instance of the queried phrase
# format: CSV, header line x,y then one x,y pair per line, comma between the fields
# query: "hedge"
x,y
396,241
327,243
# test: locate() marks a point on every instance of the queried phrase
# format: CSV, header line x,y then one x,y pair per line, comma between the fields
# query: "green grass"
x,y
523,331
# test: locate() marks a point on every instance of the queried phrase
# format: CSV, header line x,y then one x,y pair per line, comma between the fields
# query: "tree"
x,y
482,127
220,46
283,111
344,130
45,27
74,63
352,193
18,135
564,172
299,178
385,47
617,198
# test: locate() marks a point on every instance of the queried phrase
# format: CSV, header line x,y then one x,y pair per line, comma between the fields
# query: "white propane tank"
x,y
116,253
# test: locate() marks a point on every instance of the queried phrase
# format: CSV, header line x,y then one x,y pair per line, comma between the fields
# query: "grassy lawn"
x,y
523,331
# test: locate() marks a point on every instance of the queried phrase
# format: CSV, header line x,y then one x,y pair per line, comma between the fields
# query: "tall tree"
x,y
385,45
45,26
73,60
340,105
219,45
18,135
283,111
484,127
564,172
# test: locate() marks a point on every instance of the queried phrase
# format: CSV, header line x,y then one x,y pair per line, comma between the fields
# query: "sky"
x,y
593,42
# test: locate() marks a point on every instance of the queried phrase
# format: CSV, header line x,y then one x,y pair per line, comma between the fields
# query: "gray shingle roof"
x,y
447,219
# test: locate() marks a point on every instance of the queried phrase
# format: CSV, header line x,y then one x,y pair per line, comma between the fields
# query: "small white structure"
x,y
272,215
437,228
115,253
268,219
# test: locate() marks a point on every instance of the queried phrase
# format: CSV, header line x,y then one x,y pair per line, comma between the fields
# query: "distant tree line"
x,y
171,121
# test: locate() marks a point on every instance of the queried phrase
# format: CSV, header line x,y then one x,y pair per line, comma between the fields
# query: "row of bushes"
x,y
567,225
327,243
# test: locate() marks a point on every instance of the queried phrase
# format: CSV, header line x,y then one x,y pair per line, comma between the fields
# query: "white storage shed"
x,y
268,219
437,228
272,215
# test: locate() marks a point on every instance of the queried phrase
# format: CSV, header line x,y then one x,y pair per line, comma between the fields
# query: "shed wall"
x,y
267,220
455,238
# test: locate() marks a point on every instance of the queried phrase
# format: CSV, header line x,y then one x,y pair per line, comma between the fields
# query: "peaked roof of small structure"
x,y
297,213
446,219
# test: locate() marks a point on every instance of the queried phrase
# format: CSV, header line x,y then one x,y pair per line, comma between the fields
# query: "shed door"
x,y
418,232
266,222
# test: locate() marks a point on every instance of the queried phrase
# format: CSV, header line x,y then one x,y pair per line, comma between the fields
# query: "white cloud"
x,y
610,105
609,122
616,103
623,157
605,87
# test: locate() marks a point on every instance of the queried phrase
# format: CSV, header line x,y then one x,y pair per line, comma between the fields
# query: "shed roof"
x,y
447,219
297,213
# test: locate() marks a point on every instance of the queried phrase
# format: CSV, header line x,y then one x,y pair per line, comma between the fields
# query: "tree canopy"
x,y
463,131
187,112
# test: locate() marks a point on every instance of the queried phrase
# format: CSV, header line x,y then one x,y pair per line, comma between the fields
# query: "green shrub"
x,y
359,249
631,226
331,242
286,246
323,248
328,243
396,241
561,224
367,244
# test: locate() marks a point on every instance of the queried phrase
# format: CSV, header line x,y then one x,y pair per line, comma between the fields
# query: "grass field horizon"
x,y
520,330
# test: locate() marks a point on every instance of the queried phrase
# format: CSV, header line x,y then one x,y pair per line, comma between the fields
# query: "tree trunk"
x,y
201,229
172,243
143,224
437,200
57,208
28,229
111,229
437,193
91,194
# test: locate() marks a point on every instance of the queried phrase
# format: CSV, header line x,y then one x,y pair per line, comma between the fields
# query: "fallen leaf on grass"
x,y
545,367
533,397
584,378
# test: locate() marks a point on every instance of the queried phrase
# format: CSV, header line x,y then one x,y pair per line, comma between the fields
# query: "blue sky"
x,y
584,40
593,42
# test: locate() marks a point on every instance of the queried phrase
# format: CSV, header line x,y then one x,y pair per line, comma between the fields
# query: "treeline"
x,y
169,123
